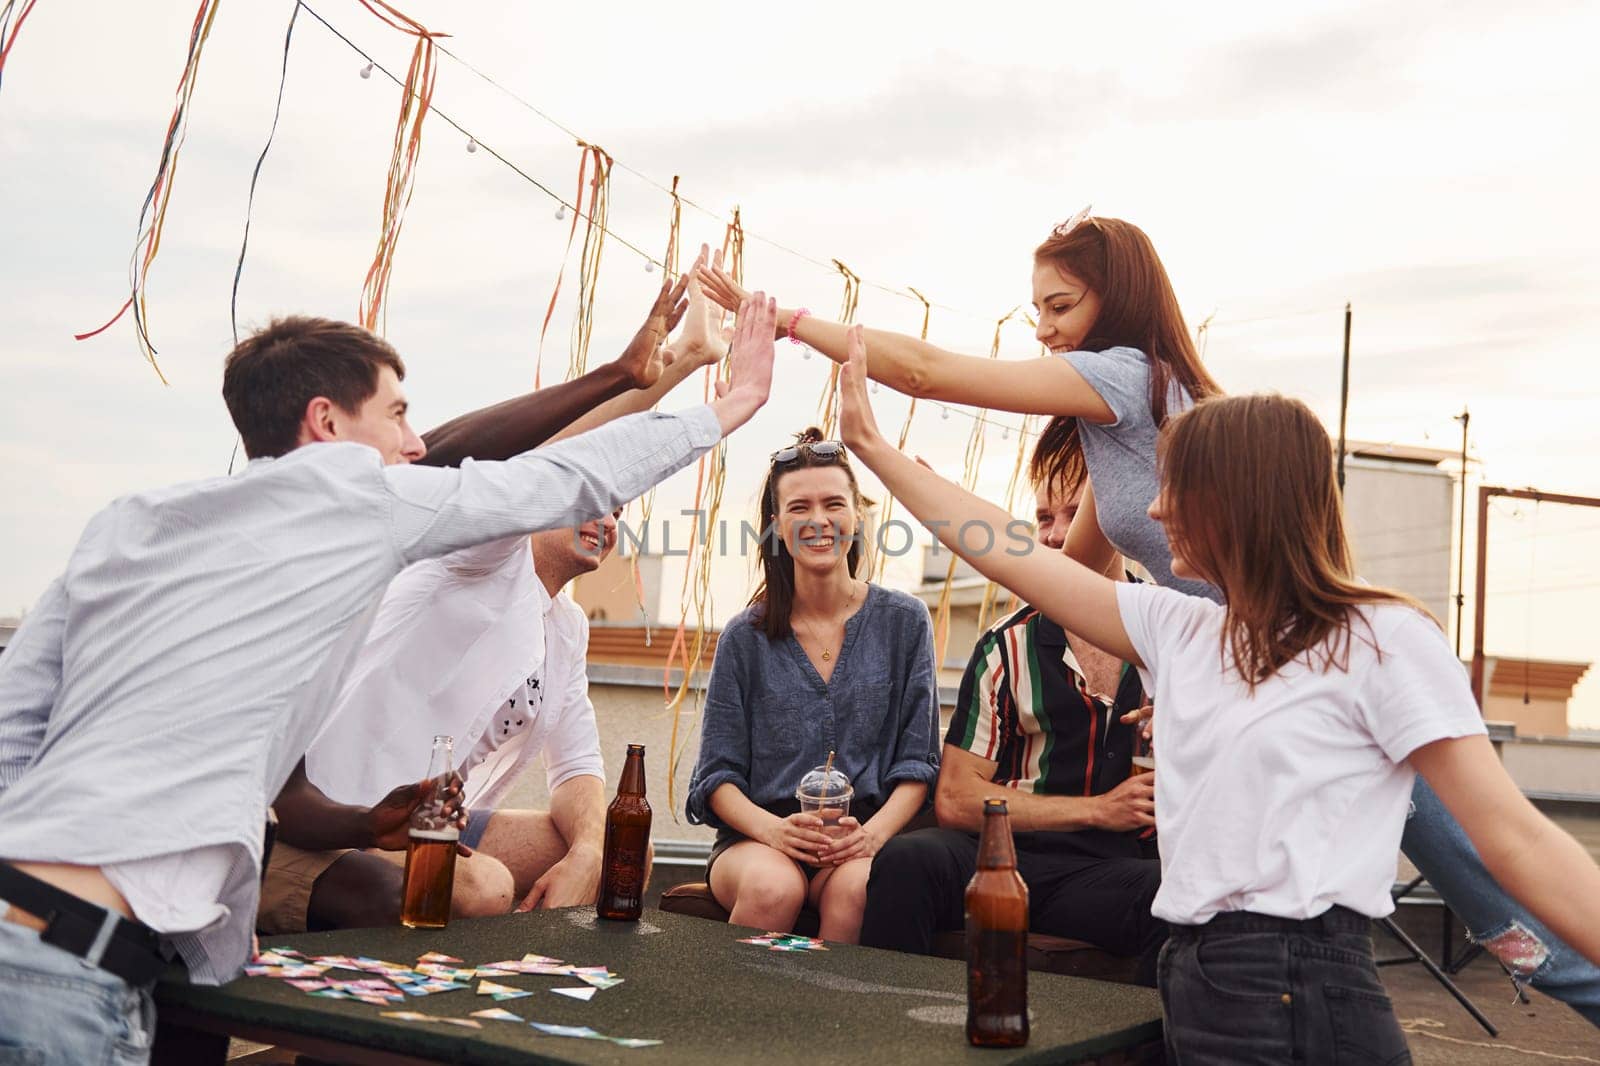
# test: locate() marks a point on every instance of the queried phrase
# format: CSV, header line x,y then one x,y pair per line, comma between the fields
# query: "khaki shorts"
x,y
286,892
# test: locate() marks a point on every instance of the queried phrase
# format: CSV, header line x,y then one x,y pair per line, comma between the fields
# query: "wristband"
x,y
794,320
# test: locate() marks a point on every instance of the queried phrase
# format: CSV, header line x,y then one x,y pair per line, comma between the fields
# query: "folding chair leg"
x,y
1438,974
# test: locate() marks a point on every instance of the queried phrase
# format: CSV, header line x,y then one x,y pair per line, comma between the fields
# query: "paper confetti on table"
x,y
601,981
439,956
583,1032
499,1014
785,942
585,994
465,1023
428,988
500,992
405,1015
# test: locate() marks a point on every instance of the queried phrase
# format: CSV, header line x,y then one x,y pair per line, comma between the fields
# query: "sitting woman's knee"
x,y
483,888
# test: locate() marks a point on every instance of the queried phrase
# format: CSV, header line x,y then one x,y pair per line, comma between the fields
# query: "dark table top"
x,y
689,983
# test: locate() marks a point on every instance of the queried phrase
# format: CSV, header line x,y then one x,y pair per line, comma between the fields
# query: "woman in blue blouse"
x,y
820,661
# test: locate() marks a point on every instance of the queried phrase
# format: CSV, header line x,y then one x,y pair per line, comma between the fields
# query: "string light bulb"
x,y
944,414
472,144
649,266
561,212
366,71
874,388
1005,432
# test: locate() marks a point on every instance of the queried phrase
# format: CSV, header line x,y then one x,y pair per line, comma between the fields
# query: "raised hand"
x,y
858,426
719,284
643,359
702,341
750,381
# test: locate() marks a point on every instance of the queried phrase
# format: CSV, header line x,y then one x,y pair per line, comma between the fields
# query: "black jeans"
x,y
1248,989
919,881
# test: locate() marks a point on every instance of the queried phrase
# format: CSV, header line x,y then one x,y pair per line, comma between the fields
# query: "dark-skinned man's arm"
x,y
309,820
514,426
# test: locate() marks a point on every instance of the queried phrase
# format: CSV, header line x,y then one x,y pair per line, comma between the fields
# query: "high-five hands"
x,y
750,364
703,341
858,426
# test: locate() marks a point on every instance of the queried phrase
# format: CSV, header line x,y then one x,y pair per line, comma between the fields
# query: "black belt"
x,y
113,943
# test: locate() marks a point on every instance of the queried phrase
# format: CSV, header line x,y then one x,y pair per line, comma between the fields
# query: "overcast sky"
x,y
1433,163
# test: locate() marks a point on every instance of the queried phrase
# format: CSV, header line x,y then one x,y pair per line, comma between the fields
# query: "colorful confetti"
x,y
785,942
499,1014
501,992
585,994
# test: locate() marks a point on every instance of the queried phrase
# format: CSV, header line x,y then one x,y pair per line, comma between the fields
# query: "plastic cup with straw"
x,y
826,793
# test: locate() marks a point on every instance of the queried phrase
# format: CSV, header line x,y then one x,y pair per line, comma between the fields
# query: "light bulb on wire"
x,y
944,414
649,266
366,71
472,144
561,212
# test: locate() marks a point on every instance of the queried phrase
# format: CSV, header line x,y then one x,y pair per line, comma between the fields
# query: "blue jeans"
x,y
1437,845
58,1010
1251,990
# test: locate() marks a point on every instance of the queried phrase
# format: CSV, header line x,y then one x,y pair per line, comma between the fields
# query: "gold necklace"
x,y
827,656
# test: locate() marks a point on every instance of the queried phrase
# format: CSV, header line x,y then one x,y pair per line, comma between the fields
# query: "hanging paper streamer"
x,y
972,462
153,215
10,29
828,407
594,239
707,495
647,503
416,98
985,609
255,175
589,154
905,432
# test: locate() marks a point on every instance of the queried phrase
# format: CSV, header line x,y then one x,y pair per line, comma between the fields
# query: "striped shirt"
x,y
156,699
1024,705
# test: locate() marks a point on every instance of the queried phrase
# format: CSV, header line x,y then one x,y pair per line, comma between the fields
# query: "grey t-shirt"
x,y
1121,457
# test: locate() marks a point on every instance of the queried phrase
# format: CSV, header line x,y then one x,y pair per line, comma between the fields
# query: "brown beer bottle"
x,y
997,938
431,851
622,869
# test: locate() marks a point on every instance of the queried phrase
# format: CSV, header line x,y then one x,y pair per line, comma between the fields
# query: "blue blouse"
x,y
769,717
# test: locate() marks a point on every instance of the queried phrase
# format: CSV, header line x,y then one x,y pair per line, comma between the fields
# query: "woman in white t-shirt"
x,y
1288,726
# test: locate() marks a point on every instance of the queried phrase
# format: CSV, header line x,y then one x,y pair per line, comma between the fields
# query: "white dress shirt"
x,y
158,696
455,639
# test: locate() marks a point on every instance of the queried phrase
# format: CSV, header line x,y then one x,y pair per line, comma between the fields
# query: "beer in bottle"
x,y
431,851
622,869
997,938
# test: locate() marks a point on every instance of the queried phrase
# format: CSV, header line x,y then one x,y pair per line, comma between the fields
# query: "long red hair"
x,y
1252,503
1138,309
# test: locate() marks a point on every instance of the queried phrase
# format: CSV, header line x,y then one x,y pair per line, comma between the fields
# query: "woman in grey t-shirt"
x,y
1122,361
822,661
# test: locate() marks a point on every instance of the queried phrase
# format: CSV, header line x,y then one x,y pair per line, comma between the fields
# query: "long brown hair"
x,y
1138,309
1251,502
775,592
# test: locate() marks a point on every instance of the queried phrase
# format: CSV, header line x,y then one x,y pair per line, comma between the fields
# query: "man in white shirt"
x,y
479,645
163,688
483,646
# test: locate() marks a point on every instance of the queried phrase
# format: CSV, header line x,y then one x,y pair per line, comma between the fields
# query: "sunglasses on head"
x,y
822,449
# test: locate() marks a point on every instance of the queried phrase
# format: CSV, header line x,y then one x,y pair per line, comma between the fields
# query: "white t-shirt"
x,y
515,717
1291,800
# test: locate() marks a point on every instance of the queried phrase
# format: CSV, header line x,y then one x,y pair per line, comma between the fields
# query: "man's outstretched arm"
x,y
514,426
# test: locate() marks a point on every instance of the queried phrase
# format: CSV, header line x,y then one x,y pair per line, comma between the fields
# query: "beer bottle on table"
x,y
431,850
627,844
997,938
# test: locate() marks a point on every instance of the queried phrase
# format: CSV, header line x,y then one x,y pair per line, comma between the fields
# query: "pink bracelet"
x,y
794,320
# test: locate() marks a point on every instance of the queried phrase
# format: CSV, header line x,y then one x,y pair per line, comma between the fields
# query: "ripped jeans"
x,y
1437,845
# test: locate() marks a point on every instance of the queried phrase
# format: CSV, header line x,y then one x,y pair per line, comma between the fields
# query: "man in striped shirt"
x,y
1039,715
